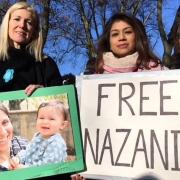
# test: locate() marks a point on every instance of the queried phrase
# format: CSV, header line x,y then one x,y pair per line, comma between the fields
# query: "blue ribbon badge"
x,y
8,75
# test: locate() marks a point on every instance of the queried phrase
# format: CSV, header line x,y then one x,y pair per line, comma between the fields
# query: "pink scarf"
x,y
113,64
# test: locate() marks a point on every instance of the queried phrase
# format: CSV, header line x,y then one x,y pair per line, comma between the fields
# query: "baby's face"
x,y
49,121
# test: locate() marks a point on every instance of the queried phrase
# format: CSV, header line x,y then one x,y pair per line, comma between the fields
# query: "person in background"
x,y
47,145
22,62
124,47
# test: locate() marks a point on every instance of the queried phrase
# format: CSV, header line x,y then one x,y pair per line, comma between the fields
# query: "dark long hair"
x,y
142,44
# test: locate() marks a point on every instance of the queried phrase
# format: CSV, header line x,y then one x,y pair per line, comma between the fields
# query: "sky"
x,y
68,67
169,13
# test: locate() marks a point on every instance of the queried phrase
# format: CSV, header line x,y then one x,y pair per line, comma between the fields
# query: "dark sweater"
x,y
21,70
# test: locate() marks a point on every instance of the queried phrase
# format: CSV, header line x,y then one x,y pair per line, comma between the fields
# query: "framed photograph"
x,y
48,124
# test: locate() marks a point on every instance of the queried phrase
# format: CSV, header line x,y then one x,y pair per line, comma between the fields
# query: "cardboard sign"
x,y
131,124
23,115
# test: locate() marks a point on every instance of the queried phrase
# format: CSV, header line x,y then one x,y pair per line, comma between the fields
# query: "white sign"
x,y
131,123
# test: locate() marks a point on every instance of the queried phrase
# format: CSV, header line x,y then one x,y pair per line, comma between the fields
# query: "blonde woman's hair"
x,y
36,43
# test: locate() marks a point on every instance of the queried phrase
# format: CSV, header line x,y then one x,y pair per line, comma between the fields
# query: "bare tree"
x,y
71,28
166,44
45,17
4,5
171,40
174,40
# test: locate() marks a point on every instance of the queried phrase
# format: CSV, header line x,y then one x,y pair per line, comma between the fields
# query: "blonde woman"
x,y
22,63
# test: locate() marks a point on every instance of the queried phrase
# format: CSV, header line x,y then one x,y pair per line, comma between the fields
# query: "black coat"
x,y
21,70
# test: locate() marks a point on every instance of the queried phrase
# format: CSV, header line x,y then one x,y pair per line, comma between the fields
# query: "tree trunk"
x,y
166,59
174,39
45,17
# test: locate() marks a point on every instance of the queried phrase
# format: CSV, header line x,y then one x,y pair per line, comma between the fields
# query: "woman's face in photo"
x,y
20,27
6,132
122,39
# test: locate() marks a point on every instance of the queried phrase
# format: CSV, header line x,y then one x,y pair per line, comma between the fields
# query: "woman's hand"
x,y
77,177
31,88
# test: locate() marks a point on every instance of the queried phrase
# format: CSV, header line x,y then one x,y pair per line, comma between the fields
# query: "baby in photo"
x,y
47,145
